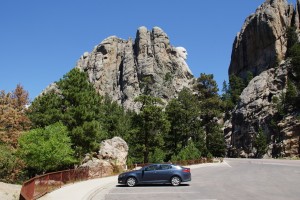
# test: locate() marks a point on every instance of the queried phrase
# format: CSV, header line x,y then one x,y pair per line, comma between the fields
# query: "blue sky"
x,y
40,41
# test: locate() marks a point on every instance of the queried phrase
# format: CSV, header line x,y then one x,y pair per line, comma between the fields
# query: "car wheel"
x,y
131,182
175,181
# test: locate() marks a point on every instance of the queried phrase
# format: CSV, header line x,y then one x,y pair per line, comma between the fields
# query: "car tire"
x,y
175,180
131,181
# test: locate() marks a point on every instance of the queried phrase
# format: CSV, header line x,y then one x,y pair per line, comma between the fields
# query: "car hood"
x,y
124,173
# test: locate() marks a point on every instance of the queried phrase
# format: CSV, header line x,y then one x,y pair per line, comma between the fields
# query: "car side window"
x,y
165,167
151,168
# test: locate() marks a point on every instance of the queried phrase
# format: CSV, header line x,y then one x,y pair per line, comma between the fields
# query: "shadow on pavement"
x,y
155,185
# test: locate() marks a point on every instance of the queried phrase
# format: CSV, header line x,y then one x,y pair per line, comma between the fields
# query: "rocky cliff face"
x,y
121,68
256,109
260,48
262,41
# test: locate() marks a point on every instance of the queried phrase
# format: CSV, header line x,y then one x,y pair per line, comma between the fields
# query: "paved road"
x,y
234,179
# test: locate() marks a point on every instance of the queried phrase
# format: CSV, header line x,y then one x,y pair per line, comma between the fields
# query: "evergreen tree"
x,y
215,141
190,152
227,104
291,95
157,156
78,106
150,126
211,109
206,86
10,164
236,87
183,114
260,143
46,109
249,78
293,86
292,39
117,121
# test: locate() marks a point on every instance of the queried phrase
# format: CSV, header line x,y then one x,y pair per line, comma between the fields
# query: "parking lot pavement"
x,y
245,179
96,189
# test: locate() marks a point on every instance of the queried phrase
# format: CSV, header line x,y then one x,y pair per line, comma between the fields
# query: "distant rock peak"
x,y
261,44
117,67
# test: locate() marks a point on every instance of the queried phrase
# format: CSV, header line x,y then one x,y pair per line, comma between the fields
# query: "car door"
x,y
149,174
164,173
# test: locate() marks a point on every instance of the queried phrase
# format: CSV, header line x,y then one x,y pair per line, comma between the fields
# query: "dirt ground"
x,y
9,191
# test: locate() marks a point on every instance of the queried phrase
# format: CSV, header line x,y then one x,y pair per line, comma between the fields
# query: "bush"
x,y
46,149
10,165
261,143
157,156
190,152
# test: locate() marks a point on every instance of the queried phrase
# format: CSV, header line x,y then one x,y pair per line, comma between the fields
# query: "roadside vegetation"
x,y
59,128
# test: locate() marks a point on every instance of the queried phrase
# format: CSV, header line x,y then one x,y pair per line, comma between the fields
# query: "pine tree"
x,y
117,121
78,106
13,120
150,126
236,87
82,111
211,109
183,114
260,143
46,109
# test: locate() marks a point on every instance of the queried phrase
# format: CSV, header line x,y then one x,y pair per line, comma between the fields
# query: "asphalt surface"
x,y
233,179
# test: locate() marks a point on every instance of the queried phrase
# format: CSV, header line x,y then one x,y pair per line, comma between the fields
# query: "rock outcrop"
x,y
262,41
110,159
256,109
261,48
121,68
290,133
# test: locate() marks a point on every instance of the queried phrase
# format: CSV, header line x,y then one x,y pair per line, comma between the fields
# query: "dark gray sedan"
x,y
156,173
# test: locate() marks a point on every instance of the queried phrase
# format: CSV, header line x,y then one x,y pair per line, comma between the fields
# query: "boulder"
x,y
114,150
110,159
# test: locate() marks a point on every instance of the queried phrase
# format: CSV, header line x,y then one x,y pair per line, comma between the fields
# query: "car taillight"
x,y
186,170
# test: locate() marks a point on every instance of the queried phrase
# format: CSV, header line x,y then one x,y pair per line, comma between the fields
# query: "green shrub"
x,y
157,156
10,164
46,149
190,152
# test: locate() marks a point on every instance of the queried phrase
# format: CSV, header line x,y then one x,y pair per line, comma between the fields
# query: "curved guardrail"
x,y
40,185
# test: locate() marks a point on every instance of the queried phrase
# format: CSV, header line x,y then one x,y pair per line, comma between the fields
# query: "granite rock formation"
x,y
260,48
262,41
121,68
256,109
290,133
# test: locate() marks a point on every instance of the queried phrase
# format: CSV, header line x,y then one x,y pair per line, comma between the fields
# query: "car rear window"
x,y
164,167
177,167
